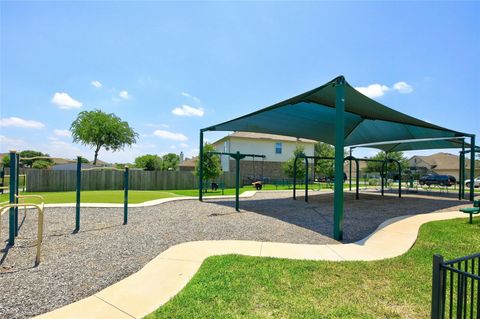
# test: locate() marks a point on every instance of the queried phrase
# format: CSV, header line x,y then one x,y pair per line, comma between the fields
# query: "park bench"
x,y
472,210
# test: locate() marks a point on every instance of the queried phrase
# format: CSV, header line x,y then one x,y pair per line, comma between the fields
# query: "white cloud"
x,y
185,94
187,110
379,90
62,133
183,145
170,135
65,101
96,84
18,122
173,147
373,90
7,143
124,95
403,87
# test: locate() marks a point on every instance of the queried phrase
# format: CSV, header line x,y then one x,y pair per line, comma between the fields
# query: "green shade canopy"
x,y
417,145
312,115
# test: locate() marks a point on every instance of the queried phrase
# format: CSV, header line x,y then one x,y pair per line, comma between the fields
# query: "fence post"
x,y
17,182
79,186
11,214
125,197
437,287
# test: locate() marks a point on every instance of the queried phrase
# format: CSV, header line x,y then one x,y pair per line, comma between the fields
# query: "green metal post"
x,y
381,176
78,189
339,145
125,196
350,171
17,182
200,168
295,178
462,172
11,214
306,179
237,182
472,167
399,179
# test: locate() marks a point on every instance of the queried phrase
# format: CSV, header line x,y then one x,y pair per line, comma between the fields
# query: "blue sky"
x,y
171,68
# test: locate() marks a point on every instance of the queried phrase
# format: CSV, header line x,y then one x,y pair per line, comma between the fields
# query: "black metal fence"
x,y
456,287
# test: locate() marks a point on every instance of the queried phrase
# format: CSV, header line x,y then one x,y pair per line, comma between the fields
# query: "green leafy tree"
x,y
41,164
289,165
98,129
26,161
376,167
149,162
83,160
6,160
170,162
325,167
212,167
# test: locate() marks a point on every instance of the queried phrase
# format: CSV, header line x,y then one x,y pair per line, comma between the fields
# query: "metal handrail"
x,y
40,209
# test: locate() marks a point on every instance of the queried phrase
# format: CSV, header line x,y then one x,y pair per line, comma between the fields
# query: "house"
x,y
439,163
187,164
276,148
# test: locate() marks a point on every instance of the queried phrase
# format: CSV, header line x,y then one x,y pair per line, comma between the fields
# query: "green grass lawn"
x,y
235,286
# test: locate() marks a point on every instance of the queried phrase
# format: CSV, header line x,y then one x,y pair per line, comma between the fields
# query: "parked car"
x,y
476,184
442,180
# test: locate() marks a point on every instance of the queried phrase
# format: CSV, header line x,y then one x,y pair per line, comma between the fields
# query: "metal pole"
x,y
357,182
350,171
125,196
17,182
472,167
306,179
11,214
381,175
437,287
462,172
78,189
200,168
339,145
237,182
295,178
399,179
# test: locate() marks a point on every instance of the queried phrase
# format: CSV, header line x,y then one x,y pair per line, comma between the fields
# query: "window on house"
x,y
278,148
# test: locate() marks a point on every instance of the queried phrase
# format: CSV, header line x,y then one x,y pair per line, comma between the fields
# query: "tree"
x,y
26,162
376,167
170,162
325,167
289,165
98,129
41,164
212,167
83,160
6,160
149,162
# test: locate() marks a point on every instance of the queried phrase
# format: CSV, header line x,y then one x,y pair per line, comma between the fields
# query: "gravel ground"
x,y
75,266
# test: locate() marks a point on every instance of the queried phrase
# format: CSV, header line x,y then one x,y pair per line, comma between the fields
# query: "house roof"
x,y
443,161
189,162
264,136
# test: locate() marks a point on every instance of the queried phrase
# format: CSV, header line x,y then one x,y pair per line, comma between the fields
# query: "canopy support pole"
x,y
339,145
306,179
200,168
461,181
350,171
295,178
472,167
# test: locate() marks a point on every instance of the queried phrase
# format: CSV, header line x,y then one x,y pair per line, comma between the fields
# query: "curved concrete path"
x,y
163,277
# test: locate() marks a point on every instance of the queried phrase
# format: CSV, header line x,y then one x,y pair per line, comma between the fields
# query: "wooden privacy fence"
x,y
58,181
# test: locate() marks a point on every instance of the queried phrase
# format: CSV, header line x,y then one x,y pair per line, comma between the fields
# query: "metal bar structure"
x,y
357,173
78,190
472,167
11,217
384,173
17,182
200,168
456,287
306,179
461,170
237,157
125,195
295,169
339,146
350,171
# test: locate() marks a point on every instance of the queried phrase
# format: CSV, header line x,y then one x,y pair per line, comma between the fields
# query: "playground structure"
x,y
13,204
337,114
349,158
237,157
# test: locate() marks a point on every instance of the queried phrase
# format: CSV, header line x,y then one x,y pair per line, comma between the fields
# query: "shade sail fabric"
x,y
312,115
419,145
